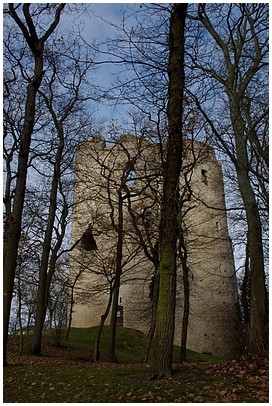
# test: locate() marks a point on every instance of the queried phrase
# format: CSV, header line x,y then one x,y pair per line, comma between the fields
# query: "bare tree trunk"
x,y
48,264
151,332
237,80
96,354
47,268
21,344
244,290
186,301
153,256
12,231
41,296
71,306
164,338
116,287
258,339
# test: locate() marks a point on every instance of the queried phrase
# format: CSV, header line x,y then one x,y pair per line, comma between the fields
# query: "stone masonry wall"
x,y
131,167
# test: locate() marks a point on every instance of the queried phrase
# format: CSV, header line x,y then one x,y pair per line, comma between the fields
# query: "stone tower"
x,y
123,181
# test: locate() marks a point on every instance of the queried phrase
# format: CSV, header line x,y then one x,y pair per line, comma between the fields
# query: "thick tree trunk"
x,y
12,231
165,328
258,313
240,73
258,338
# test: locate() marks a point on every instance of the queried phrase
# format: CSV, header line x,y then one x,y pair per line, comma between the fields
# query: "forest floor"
x,y
66,374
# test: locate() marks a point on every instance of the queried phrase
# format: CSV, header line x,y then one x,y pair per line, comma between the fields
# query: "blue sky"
x,y
98,24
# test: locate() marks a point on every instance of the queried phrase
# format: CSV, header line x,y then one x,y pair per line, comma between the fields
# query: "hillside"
x,y
67,374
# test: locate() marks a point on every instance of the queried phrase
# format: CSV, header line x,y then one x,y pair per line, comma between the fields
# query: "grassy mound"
x,y
130,344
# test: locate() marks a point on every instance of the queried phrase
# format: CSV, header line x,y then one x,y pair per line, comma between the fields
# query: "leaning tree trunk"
x,y
165,328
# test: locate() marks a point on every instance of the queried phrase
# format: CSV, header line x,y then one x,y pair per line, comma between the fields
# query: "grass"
x,y
66,375
80,384
130,345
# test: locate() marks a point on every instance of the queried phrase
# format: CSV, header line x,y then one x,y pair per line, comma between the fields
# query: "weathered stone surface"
x,y
100,172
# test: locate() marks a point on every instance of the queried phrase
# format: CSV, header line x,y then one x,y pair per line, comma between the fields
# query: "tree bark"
x,y
153,255
96,354
245,288
164,338
42,297
258,339
118,272
186,301
12,229
237,86
151,332
70,314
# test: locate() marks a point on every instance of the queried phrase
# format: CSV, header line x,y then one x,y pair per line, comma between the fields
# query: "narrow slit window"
x,y
204,176
120,316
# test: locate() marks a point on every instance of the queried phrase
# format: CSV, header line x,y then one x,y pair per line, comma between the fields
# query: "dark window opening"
x,y
120,316
87,240
204,177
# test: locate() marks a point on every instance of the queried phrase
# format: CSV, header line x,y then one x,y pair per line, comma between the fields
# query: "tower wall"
x,y
132,165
